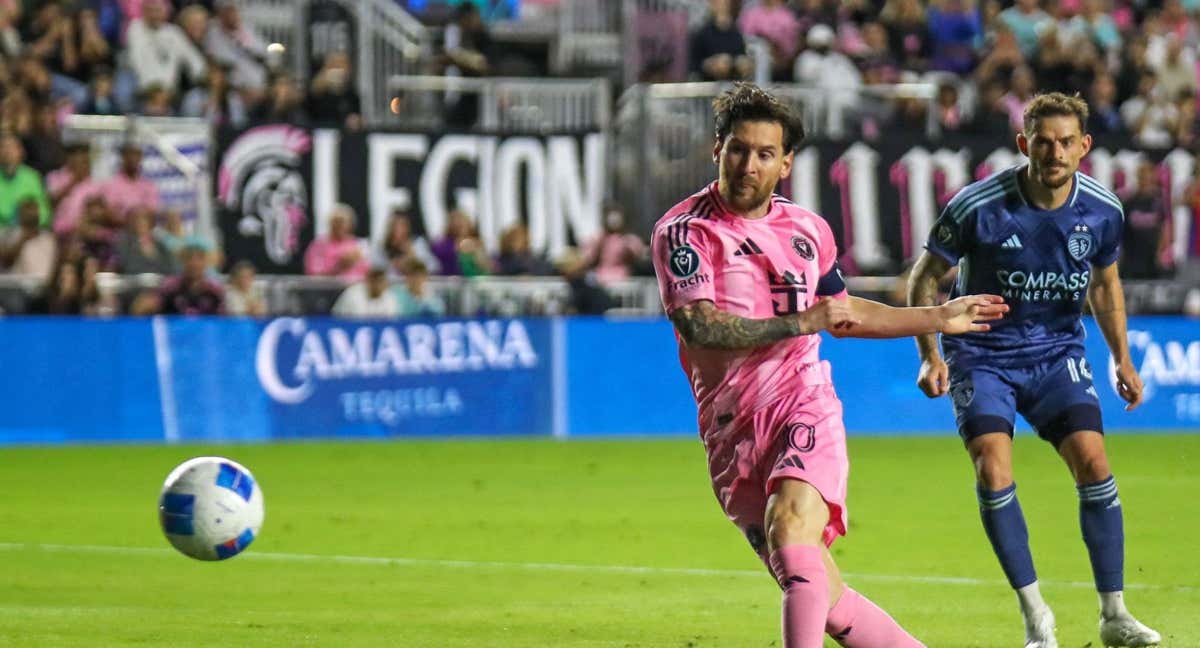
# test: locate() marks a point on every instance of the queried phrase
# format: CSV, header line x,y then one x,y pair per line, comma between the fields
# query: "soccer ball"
x,y
210,508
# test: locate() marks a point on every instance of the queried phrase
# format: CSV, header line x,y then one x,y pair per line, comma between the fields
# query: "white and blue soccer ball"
x,y
211,508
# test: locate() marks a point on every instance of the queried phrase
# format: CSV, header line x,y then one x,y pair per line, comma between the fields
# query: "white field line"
x,y
555,567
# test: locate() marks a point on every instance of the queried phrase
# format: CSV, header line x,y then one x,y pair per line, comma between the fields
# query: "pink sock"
x,y
801,573
856,622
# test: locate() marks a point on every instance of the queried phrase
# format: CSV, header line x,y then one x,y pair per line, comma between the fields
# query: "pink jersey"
x,y
758,268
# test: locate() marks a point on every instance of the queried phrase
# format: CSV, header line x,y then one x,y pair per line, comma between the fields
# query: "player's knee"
x,y
993,472
1091,468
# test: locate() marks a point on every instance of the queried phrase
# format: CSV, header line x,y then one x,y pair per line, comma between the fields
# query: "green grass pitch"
x,y
565,544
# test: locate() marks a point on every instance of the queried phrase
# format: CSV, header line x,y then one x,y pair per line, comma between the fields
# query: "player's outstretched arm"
x,y
702,325
1107,301
965,314
923,280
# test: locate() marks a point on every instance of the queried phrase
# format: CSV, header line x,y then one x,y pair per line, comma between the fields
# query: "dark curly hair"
x,y
748,102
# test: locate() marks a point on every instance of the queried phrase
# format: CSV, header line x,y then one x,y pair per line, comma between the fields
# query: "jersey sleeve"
x,y
949,237
682,257
1110,246
831,283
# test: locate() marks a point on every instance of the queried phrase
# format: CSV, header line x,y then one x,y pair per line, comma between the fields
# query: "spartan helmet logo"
x,y
260,180
1080,242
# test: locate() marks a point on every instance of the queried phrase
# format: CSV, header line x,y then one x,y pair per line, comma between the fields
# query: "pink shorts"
x,y
799,437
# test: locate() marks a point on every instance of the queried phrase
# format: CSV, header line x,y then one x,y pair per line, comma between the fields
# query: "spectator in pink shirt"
x,y
614,254
1019,95
70,187
128,189
341,253
774,22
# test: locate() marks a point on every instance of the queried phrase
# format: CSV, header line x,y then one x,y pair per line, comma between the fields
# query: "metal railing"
x,y
280,21
589,35
663,134
304,295
389,41
526,296
501,104
604,34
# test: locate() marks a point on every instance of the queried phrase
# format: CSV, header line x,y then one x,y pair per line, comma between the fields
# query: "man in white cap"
x,y
823,66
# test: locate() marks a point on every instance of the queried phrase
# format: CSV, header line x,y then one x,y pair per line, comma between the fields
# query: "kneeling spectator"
x,y
192,292
242,297
414,297
368,299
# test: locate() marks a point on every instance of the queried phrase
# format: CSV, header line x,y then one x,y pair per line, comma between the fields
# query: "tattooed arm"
x,y
701,324
923,291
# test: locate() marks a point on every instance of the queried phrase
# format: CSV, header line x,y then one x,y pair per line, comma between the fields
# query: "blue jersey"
x,y
1039,260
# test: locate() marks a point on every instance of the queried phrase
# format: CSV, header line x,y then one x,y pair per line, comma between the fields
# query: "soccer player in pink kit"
x,y
748,278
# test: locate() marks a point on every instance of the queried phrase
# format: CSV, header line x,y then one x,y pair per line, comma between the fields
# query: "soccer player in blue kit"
x,y
1046,237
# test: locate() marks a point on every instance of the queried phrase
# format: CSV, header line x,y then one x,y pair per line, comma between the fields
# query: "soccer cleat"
x,y
1124,631
1039,630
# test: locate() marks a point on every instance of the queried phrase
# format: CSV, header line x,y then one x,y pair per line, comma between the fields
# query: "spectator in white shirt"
x,y
369,298
234,44
159,51
242,297
1148,115
824,67
27,249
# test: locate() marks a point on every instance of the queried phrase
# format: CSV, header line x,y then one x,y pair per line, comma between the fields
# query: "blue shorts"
x,y
1056,396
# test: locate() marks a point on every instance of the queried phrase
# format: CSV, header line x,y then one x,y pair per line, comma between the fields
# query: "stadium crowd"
x,y
1136,63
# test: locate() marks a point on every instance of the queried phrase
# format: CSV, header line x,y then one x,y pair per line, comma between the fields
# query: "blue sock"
x,y
1005,527
1103,529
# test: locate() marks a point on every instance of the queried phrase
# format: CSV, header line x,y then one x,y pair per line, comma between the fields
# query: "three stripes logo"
x,y
747,248
1012,243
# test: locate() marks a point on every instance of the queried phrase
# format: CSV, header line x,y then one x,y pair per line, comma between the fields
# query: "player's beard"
x,y
1044,175
745,202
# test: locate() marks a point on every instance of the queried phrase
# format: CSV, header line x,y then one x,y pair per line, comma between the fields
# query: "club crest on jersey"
x,y
944,234
800,436
684,261
962,394
1080,242
803,248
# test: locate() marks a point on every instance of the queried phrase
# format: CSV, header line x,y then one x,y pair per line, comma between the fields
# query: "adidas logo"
x,y
1011,243
747,248
790,462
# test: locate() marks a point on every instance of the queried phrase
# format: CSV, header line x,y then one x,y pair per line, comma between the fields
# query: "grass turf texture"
x,y
489,506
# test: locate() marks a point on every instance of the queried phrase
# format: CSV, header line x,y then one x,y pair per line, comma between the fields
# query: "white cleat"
x,y
1124,631
1039,631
